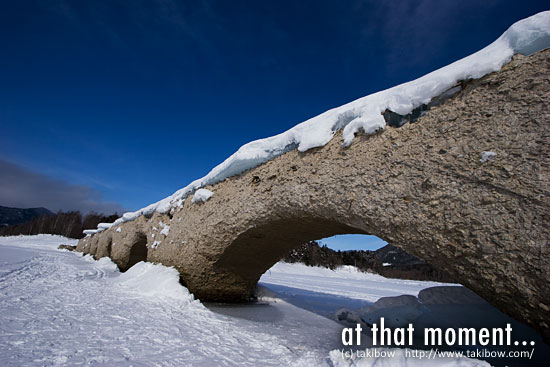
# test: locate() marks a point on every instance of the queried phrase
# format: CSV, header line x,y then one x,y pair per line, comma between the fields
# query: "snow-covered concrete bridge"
x,y
465,188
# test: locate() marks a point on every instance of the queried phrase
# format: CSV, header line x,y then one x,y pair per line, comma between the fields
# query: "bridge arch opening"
x,y
138,251
104,249
255,251
369,253
109,248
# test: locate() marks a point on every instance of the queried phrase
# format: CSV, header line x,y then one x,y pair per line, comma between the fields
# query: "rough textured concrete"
x,y
421,187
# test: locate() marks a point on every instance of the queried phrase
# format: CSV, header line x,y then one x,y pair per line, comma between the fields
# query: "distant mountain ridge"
x,y
12,216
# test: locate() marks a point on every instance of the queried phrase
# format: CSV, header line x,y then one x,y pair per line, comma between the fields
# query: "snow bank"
x,y
365,114
105,264
154,280
344,271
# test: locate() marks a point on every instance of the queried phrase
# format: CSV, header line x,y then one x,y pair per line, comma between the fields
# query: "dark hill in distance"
x,y
12,216
394,256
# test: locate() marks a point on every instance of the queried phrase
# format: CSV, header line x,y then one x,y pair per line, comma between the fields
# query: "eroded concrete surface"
x,y
421,187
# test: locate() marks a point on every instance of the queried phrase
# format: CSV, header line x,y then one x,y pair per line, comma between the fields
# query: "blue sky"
x,y
116,104
353,242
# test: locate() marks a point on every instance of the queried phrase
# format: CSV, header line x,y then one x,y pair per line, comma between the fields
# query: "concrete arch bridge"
x,y
426,187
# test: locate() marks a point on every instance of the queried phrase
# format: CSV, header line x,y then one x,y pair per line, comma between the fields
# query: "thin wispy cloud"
x,y
22,188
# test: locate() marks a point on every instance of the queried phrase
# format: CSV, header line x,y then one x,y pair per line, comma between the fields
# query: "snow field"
x,y
61,308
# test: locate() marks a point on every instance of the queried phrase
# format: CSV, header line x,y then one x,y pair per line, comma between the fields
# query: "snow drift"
x,y
154,280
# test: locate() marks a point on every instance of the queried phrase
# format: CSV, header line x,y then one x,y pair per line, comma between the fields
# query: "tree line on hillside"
x,y
312,254
68,224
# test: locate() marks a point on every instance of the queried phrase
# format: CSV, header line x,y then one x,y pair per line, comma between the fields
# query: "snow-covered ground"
x,y
62,308
357,285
